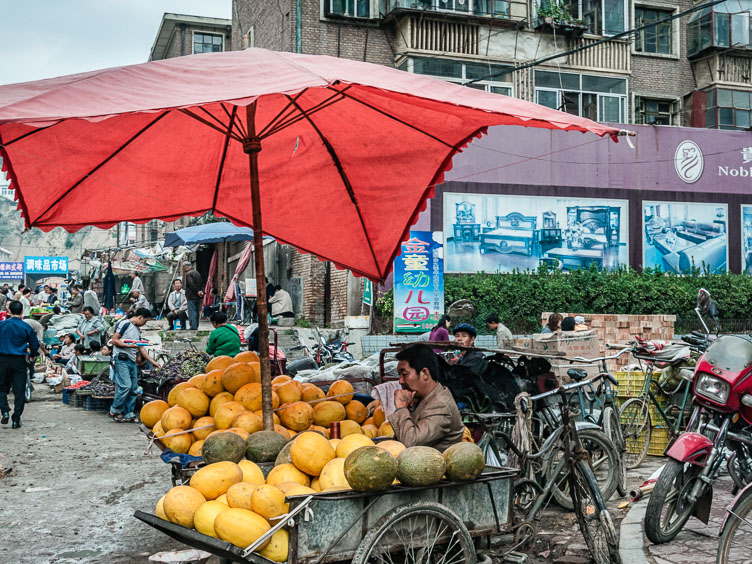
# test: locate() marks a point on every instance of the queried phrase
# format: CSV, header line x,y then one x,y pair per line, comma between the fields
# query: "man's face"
x,y
409,379
88,315
178,285
133,274
138,320
186,268
464,339
47,290
492,326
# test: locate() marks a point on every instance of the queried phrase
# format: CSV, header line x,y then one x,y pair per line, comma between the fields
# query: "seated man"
x,y
435,420
464,335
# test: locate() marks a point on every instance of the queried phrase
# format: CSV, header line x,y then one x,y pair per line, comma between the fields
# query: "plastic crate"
x,y
630,383
67,396
79,398
97,404
659,439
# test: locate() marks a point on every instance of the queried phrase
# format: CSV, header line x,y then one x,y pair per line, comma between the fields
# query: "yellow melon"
x,y
341,387
256,366
274,416
315,486
203,520
319,429
355,411
249,422
180,443
325,412
392,447
251,472
194,401
236,376
159,510
172,397
181,504
240,527
213,480
379,417
249,396
334,443
157,430
239,495
176,417
246,356
333,476
310,452
219,400
242,433
195,449
219,363
386,430
311,392
268,501
369,421
222,499
278,548
370,431
197,381
226,414
282,431
201,434
467,436
297,416
351,443
281,379
294,488
152,412
348,427
212,384
287,473
290,392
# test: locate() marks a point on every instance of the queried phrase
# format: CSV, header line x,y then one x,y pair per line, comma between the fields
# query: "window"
x,y
207,43
601,17
493,8
728,109
656,38
649,111
460,72
348,8
722,25
600,98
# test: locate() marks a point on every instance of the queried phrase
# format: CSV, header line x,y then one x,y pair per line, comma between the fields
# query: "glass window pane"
x,y
706,35
591,15
590,106
482,71
570,102
561,80
721,30
651,106
724,98
605,84
547,98
363,8
725,116
438,67
505,90
610,109
614,19
742,119
740,30
710,118
710,102
741,99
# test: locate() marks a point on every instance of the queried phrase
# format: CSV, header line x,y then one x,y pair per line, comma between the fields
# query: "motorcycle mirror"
x,y
703,301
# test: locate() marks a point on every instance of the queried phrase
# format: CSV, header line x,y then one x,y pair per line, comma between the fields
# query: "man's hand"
x,y
200,294
403,398
454,360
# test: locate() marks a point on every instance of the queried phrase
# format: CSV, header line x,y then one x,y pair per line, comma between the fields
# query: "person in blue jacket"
x,y
17,343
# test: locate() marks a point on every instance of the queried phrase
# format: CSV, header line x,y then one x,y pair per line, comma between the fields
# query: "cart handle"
x,y
283,520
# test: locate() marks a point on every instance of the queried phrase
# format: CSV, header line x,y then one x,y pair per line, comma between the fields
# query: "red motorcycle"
x,y
718,431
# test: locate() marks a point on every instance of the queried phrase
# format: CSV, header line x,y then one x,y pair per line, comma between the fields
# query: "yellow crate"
x,y
659,438
630,383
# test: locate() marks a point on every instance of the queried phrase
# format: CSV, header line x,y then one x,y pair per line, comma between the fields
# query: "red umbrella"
x,y
210,279
342,154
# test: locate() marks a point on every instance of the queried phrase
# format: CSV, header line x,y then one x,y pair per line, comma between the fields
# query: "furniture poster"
x,y
679,236
502,233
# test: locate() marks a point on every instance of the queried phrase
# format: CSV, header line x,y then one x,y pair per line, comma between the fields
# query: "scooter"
x,y
719,424
322,354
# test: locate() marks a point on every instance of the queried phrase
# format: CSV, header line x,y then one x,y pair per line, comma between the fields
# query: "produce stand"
x,y
359,527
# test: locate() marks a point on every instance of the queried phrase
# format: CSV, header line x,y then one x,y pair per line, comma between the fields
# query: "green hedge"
x,y
518,298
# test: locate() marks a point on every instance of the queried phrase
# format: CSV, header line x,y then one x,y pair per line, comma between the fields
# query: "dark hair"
x,y
79,348
492,318
277,287
419,356
89,309
15,307
95,346
26,291
76,287
218,317
554,321
567,324
53,290
21,287
442,322
143,312
71,336
56,309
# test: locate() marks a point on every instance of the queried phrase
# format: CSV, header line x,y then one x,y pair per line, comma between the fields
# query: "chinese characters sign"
x,y
46,265
419,283
11,271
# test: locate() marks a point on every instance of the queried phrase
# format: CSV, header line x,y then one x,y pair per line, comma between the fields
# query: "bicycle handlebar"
x,y
602,358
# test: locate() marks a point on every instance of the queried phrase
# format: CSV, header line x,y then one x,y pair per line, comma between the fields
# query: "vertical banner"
x,y
419,283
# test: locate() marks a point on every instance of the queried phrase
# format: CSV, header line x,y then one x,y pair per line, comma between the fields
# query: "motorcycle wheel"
x,y
668,509
736,537
635,427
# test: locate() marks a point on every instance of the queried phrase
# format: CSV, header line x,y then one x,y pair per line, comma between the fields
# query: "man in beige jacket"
x,y
435,420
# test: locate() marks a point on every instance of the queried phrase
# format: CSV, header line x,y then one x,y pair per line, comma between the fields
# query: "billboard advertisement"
x,y
747,239
11,271
46,265
679,236
502,233
419,283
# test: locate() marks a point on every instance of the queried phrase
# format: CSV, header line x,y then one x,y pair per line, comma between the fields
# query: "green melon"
x,y
284,455
420,466
370,469
264,446
464,462
220,447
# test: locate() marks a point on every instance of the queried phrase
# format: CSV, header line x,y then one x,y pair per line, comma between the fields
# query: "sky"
x,y
48,38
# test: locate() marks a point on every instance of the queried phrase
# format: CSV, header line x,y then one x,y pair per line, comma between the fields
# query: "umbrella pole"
x,y
252,146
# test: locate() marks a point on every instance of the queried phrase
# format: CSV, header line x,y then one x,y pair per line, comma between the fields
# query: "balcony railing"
x,y
478,8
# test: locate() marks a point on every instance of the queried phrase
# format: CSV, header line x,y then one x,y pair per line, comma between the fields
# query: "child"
x,y
66,351
70,367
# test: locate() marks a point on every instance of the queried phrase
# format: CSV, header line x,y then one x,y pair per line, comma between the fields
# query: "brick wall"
x,y
338,292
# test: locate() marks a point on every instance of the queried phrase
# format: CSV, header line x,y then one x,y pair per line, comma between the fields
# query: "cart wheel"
x,y
526,493
524,536
418,532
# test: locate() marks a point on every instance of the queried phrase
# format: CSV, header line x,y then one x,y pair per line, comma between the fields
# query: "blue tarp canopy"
x,y
208,233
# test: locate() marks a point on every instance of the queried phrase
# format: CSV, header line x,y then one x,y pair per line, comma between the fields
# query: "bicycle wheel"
x,y
668,509
612,428
421,532
603,461
635,427
592,515
736,536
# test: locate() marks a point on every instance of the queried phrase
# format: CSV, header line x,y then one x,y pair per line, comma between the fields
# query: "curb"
x,y
631,542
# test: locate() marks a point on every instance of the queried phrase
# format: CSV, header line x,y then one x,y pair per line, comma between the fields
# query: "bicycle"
x,y
735,544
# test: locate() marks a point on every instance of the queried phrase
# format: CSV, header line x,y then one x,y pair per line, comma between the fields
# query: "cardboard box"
x,y
569,344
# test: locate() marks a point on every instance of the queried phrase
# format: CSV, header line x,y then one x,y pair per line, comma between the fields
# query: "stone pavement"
x,y
696,543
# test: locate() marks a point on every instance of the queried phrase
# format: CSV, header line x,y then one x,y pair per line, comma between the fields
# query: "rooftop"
x,y
172,21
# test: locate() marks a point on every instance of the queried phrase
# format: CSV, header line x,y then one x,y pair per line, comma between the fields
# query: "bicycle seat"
x,y
577,374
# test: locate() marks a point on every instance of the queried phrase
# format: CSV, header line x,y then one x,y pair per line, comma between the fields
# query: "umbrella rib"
x,y
284,110
234,123
390,116
228,127
29,133
224,156
293,119
345,181
100,165
223,131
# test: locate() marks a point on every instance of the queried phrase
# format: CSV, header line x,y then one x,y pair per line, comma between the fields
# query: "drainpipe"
x,y
298,27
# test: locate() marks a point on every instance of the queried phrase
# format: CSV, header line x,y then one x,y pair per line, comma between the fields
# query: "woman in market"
x,y
440,332
225,339
90,329
553,324
67,350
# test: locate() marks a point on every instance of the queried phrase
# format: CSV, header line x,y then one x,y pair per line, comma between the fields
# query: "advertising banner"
x,y
46,265
368,292
11,271
419,283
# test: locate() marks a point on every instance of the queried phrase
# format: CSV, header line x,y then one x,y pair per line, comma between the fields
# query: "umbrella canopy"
x,y
352,147
208,298
209,233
